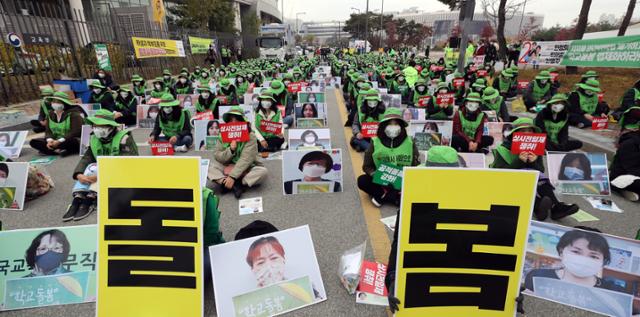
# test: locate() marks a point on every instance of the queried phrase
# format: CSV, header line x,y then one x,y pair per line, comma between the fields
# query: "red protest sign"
x,y
419,68
458,82
599,123
369,129
600,96
271,127
529,142
554,76
523,84
436,68
424,101
372,276
473,69
482,73
161,148
223,99
207,115
296,87
445,99
234,131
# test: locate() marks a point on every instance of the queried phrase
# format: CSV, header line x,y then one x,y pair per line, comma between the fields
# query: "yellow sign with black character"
x,y
148,47
461,241
149,237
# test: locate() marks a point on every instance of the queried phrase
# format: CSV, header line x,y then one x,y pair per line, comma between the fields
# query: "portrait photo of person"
x,y
47,252
213,131
309,110
266,259
575,167
313,166
309,140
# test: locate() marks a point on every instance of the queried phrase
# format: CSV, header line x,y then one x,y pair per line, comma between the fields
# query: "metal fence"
x,y
58,44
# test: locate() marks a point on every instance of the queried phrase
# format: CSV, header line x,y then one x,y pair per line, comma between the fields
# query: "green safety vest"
x,y
242,88
172,128
469,127
236,155
259,119
210,107
121,106
588,104
98,98
539,92
553,129
401,156
60,129
206,193
139,90
112,149
495,106
505,153
45,109
504,84
158,94
404,89
184,90
417,96
224,52
368,119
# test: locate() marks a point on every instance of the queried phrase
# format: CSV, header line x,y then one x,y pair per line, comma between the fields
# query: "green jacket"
x,y
128,147
211,222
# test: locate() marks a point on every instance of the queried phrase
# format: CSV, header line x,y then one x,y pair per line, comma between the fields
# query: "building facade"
x,y
322,31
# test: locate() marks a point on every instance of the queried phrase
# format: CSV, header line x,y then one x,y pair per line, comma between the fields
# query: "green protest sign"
x,y
622,51
69,288
275,299
102,55
200,45
388,174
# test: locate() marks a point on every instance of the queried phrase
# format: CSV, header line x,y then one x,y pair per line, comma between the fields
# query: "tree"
x,y
546,34
453,4
583,19
502,41
211,15
627,18
356,23
498,12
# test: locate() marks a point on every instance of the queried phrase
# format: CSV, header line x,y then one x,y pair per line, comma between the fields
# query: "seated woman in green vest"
x,y
372,110
227,93
242,86
283,98
459,91
268,111
584,104
477,87
468,127
539,91
167,78
183,86
401,86
502,83
100,94
392,146
545,201
631,98
172,125
554,121
236,164
126,107
139,86
204,78
40,124
421,96
106,140
440,111
625,168
207,101
160,89
492,101
64,127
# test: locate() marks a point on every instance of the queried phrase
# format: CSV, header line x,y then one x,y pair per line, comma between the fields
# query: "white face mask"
x,y
286,82
313,170
557,108
392,131
372,104
472,106
157,87
270,273
588,92
101,132
240,79
400,79
183,80
167,110
544,81
166,77
57,106
97,90
505,134
309,139
266,104
205,75
421,88
153,115
101,75
205,95
581,266
124,94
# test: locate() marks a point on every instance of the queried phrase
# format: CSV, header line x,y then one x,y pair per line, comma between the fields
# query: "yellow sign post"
x,y
461,241
148,47
150,237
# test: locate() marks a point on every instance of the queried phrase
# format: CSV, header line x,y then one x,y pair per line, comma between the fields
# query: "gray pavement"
x,y
336,221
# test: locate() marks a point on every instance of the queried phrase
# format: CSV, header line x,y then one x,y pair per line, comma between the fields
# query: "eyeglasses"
x,y
56,249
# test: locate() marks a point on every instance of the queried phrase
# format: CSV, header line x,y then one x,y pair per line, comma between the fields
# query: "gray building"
x,y
323,31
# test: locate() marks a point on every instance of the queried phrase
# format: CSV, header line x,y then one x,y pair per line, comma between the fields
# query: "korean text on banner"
x,y
369,129
200,45
529,142
543,53
462,257
148,47
237,131
445,99
622,51
150,237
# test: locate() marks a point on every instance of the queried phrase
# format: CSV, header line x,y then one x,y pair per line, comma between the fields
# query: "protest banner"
x,y
423,101
271,127
482,73
528,142
234,131
621,51
445,99
610,261
462,257
579,173
150,237
600,123
304,97
13,184
424,141
201,45
369,129
443,128
149,47
27,282
297,87
162,148
458,82
11,143
146,116
207,134
203,116
224,100
543,53
316,110
312,171
102,56
388,174
309,139
436,68
478,59
310,123
523,84
371,289
287,279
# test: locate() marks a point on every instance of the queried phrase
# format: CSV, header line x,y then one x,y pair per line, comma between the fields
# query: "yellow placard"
x,y
150,237
148,47
462,240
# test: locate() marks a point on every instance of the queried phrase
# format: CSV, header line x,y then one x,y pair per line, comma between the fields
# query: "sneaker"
x,y
561,210
72,209
541,211
284,146
375,202
237,189
86,208
181,148
580,125
629,195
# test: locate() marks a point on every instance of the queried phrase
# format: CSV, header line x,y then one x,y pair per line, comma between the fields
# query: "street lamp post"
x,y
358,29
297,15
366,27
381,19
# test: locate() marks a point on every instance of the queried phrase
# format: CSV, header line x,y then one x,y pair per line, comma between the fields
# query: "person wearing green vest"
x,y
545,201
242,86
183,86
492,101
468,127
210,229
625,167
139,86
236,164
40,124
193,77
225,55
106,140
100,94
448,55
167,79
631,98
204,78
410,73
393,146
503,83
283,98
268,111
584,104
421,96
477,87
470,51
554,121
172,125
64,127
590,74
126,108
207,101
401,86
372,110
442,111
160,89
539,91
227,91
